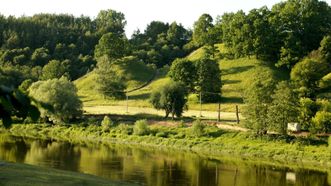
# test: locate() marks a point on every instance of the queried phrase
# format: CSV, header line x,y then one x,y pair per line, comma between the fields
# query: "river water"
x,y
146,166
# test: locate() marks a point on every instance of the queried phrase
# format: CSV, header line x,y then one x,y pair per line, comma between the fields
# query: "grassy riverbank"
x,y
22,174
212,142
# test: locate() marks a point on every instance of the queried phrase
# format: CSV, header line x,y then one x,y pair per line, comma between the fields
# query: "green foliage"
x,y
325,49
201,28
61,95
160,43
141,128
283,108
110,21
124,129
284,34
306,75
53,69
25,85
325,82
258,100
40,56
170,97
110,82
183,70
208,79
15,103
197,128
112,45
106,124
321,122
307,110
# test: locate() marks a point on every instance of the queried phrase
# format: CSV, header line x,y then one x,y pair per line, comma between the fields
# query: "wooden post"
x,y
127,103
200,104
237,114
219,112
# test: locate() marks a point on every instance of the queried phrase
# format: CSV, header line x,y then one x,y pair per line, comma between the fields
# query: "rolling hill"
x,y
236,75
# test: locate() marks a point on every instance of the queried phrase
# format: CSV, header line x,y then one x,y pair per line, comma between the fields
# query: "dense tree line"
x,y
161,43
304,98
282,35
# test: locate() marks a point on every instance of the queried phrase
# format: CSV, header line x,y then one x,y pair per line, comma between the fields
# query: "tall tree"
x,y
110,82
283,108
110,21
201,28
183,70
208,79
112,45
257,100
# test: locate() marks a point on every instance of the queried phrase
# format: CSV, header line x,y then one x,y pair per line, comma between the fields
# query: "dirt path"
x,y
230,116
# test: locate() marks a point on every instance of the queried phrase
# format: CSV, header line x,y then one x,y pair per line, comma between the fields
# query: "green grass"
x,y
12,174
137,75
236,75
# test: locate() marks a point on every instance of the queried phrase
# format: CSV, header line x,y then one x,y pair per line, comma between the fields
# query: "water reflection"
x,y
151,167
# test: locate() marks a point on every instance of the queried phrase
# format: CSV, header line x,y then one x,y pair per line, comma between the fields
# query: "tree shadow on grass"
x,y
142,96
232,100
235,70
227,82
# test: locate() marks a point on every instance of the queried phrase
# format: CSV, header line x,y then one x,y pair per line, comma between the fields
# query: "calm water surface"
x,y
152,167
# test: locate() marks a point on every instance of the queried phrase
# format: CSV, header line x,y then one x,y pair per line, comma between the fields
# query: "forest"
x,y
42,55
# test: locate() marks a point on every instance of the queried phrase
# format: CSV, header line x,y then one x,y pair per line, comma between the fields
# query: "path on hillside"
x,y
225,116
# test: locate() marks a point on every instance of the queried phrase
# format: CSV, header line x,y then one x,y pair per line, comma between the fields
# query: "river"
x,y
147,166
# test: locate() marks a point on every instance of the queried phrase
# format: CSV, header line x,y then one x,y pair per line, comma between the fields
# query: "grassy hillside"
x,y
236,75
137,75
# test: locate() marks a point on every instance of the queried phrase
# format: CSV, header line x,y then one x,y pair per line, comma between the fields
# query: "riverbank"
x,y
214,142
28,175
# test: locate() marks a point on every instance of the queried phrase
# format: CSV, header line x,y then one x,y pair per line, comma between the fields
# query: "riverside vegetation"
x,y
273,63
199,137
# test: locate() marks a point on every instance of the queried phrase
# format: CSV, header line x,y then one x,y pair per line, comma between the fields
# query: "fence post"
x,y
127,103
219,112
200,104
237,114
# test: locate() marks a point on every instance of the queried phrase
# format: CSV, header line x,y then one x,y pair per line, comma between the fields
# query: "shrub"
x,y
322,121
329,142
141,128
171,97
124,129
106,124
197,128
60,96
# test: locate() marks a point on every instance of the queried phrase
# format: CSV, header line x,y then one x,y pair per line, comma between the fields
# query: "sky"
x,y
138,13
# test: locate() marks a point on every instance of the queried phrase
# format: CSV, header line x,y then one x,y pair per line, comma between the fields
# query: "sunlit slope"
x,y
236,76
137,75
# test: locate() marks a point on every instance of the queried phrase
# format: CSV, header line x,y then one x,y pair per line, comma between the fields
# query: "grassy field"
x,y
236,75
12,174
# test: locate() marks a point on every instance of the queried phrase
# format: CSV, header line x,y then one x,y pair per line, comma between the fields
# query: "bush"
x,y
60,96
329,142
124,129
106,124
171,97
197,128
322,121
141,128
